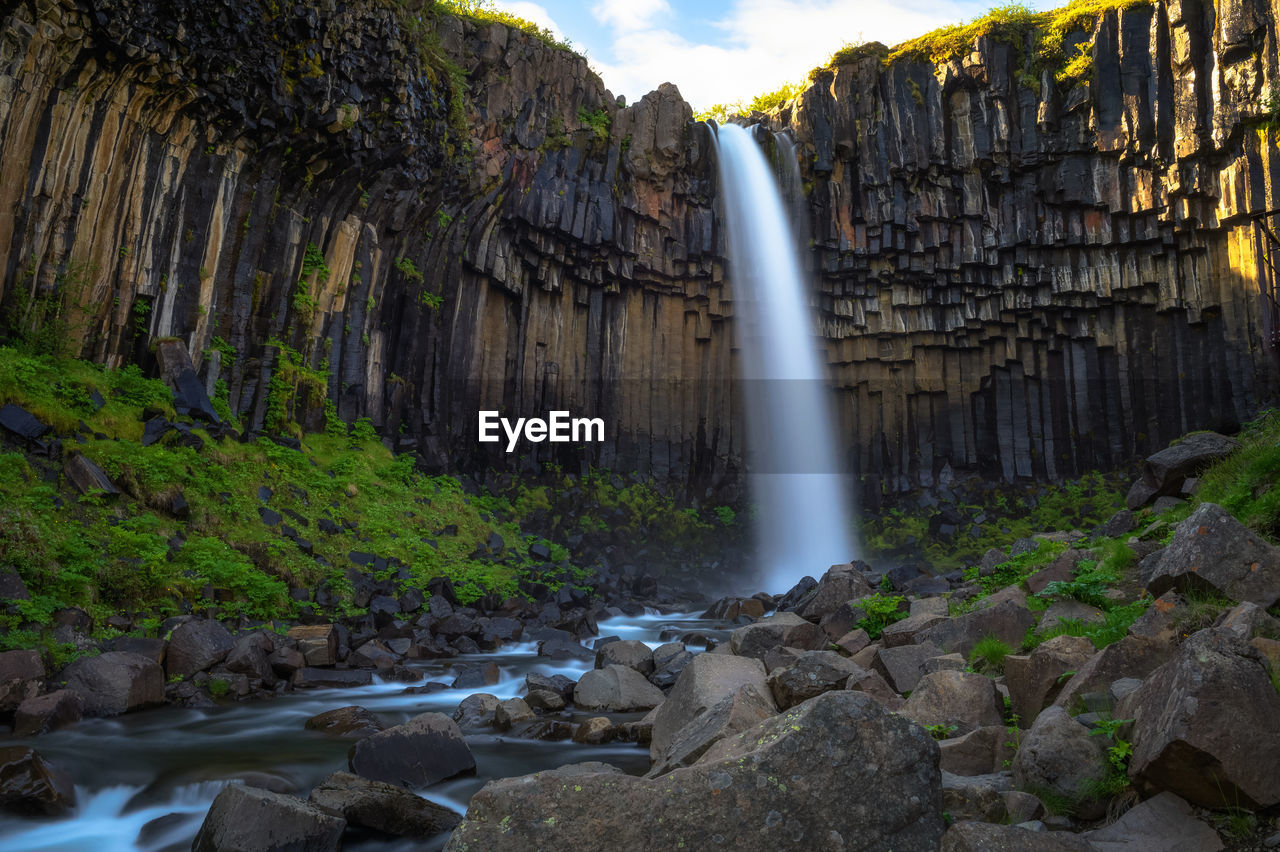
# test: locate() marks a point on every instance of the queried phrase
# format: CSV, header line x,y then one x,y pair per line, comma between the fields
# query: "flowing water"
x,y
796,479
145,780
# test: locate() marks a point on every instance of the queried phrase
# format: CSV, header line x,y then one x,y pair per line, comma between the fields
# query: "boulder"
x,y
975,796
703,683
1007,621
245,818
196,646
1212,551
426,749
476,711
1060,756
1163,823
1059,570
597,730
841,583
783,783
630,653
351,723
743,709
905,632
511,712
544,700
318,643
1060,611
309,677
1164,472
963,699
1204,725
616,689
902,667
31,787
970,836
381,807
784,629
811,674
249,657
46,713
21,677
1132,656
853,641
1034,680
979,752
872,683
88,477
115,682
558,684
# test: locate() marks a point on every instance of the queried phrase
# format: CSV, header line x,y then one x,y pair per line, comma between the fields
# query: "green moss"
x,y
1247,483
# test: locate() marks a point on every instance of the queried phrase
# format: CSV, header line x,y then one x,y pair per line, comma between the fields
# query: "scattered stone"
x,y
196,646
731,715
1059,755
511,712
841,583
1204,725
631,653
21,422
1034,680
318,643
382,807
1007,622
979,752
1060,570
704,682
978,797
1212,551
244,818
1132,656
854,641
905,632
11,586
476,711
353,723
1163,823
545,700
597,730
1165,471
87,477
730,803
1058,611
966,700
559,684
902,667
30,786
872,683
426,749
46,713
779,630
115,682
811,674
476,675
616,689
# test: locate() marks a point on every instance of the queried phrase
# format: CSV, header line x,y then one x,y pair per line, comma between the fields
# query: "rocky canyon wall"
x,y
1015,277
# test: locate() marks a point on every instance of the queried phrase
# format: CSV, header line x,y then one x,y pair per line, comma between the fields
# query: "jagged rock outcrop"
x,y
1016,277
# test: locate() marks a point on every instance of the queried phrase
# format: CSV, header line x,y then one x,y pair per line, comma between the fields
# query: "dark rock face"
x,y
115,682
47,713
781,784
426,749
30,786
21,677
382,807
249,818
354,722
1006,271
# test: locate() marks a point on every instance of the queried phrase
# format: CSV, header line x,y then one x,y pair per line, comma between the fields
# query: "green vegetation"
x,y
1018,568
941,732
1247,483
1116,781
597,121
44,322
988,655
486,10
760,103
881,611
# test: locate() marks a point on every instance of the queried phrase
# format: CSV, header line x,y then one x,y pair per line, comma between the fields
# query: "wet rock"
x,y
382,807
244,818
559,684
353,722
476,675
476,711
704,682
21,677
597,730
308,677
45,713
1212,551
426,749
967,701
616,689
627,652
30,786
1163,823
318,643
115,682
1204,725
729,608
730,803
544,700
812,673
785,629
742,710
195,646
511,712
1059,755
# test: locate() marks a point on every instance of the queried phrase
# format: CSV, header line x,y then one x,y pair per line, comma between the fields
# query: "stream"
x,y
145,780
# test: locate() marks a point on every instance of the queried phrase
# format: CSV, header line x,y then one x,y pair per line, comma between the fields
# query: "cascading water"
x,y
796,480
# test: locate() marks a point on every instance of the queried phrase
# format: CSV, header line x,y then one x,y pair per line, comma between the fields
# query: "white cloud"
x,y
629,15
766,43
535,13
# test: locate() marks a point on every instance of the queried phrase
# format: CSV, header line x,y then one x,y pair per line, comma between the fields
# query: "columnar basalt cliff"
x,y
1016,277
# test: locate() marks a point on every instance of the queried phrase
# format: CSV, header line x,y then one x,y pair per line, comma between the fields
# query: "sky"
x,y
722,51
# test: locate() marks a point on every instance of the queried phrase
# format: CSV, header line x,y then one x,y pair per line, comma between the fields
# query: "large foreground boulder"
x,y
246,818
426,749
115,682
705,681
1205,725
785,783
731,715
1212,551
381,807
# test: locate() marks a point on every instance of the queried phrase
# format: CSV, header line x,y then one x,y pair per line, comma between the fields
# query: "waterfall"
x,y
803,519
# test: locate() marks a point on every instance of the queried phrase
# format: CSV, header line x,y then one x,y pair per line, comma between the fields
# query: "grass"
x,y
988,655
1245,483
1017,569
760,103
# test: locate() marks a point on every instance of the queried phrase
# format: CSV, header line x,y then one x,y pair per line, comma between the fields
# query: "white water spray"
x,y
795,476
